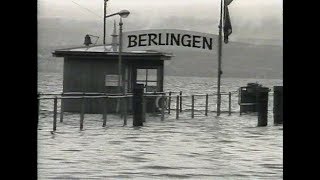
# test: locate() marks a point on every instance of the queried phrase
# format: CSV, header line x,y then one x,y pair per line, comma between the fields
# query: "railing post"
x,y
229,103
55,101
206,110
177,107
162,107
82,112
61,109
192,106
169,104
154,104
104,108
218,109
180,101
125,110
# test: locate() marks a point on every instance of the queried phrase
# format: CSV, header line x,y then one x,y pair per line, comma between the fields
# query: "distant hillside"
x,y
255,59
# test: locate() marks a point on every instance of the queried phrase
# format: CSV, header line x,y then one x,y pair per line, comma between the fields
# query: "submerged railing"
x,y
170,101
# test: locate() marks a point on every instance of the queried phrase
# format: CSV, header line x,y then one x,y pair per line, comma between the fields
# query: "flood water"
x,y
205,147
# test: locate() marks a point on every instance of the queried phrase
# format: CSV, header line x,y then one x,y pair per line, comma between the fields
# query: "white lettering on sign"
x,y
142,40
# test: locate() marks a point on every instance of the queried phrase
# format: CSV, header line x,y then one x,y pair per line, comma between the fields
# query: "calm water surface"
x,y
206,147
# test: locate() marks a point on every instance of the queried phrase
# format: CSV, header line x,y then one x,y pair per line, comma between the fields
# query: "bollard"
x,y
55,101
125,109
169,103
262,105
61,110
137,105
277,104
177,107
104,109
229,103
206,108
192,106
82,112
162,108
180,101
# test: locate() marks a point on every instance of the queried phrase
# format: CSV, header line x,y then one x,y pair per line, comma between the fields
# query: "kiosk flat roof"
x,y
105,50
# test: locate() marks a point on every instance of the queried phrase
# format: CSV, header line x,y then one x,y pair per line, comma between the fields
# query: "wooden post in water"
x,y
180,101
104,109
82,112
55,102
262,105
192,106
277,104
229,103
162,107
137,105
61,110
177,107
206,108
125,110
169,103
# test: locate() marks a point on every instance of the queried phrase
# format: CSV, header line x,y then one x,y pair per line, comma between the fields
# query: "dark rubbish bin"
x,y
248,97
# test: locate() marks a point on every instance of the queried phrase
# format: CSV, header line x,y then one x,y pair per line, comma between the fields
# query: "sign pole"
x,y
219,61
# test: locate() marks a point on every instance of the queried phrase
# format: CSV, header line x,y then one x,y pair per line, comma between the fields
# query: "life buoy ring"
x,y
163,102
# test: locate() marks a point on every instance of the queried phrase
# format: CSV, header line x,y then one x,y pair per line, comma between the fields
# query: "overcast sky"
x,y
260,19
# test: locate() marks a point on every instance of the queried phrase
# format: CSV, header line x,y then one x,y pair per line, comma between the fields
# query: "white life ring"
x,y
159,106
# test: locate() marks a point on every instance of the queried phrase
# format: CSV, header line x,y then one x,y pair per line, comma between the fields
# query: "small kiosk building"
x,y
94,69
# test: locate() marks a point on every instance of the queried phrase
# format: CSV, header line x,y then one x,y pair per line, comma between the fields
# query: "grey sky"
x,y
260,19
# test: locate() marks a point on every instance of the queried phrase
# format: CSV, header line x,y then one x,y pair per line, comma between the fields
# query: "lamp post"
x,y
122,14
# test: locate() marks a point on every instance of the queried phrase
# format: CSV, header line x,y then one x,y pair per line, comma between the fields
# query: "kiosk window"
x,y
149,78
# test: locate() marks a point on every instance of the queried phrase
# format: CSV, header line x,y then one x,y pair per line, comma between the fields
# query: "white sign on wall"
x,y
157,38
111,80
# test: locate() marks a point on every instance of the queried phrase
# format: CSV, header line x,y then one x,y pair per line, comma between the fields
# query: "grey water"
x,y
205,147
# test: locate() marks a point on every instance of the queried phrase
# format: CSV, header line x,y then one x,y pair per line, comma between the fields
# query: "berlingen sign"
x,y
154,38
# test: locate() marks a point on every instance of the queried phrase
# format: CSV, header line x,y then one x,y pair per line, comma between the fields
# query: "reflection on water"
x,y
225,147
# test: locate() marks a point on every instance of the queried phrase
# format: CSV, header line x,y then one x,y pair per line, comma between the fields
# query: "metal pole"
x,y
120,55
55,101
206,110
104,21
219,61
192,106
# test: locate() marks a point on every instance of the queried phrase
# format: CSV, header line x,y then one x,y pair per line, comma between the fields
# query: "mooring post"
x,y
229,103
162,107
192,106
278,104
206,108
125,110
82,112
55,102
262,105
180,101
61,109
177,107
104,109
169,103
137,105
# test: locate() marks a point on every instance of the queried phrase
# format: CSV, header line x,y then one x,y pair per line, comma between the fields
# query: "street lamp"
x,y
122,14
